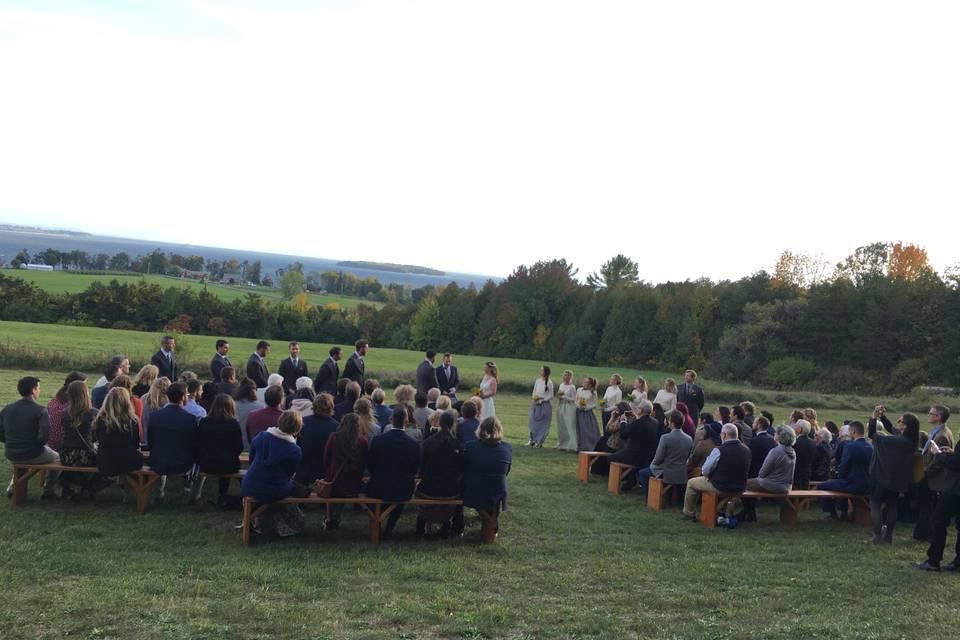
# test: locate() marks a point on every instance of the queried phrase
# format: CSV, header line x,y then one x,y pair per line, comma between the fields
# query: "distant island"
x,y
53,232
389,266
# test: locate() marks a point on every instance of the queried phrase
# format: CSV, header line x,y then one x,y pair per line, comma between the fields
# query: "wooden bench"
x,y
585,460
141,482
617,471
244,462
656,490
790,504
377,511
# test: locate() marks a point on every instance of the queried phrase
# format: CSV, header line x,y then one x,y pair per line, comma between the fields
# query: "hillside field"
x,y
64,281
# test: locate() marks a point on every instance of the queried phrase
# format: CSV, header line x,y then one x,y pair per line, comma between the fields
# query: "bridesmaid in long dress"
x,y
588,431
541,412
611,398
667,396
488,389
567,414
638,394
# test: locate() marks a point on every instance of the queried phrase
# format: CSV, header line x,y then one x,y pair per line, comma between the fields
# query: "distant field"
x,y
94,346
61,281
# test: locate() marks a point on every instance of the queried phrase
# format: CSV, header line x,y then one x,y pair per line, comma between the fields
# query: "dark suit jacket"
x,y
426,377
326,381
393,462
485,475
453,382
642,437
98,395
257,371
290,373
806,450
173,439
168,370
354,369
854,465
693,399
217,365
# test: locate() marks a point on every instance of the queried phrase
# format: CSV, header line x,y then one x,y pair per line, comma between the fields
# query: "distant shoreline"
x,y
389,266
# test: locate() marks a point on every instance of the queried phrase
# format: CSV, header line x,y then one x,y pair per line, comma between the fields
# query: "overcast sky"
x,y
699,138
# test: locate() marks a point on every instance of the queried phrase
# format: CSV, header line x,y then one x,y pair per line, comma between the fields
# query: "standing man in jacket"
x,y
292,368
426,374
934,475
220,360
691,394
257,364
355,363
165,361
329,373
24,429
448,379
948,508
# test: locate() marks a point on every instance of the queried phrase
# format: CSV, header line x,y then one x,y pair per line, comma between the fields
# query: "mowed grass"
x,y
65,281
572,561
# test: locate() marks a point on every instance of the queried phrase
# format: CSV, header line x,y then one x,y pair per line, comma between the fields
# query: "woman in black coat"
x,y
316,431
219,445
891,469
117,432
441,475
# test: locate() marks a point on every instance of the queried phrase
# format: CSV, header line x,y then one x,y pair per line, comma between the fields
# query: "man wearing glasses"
x,y
934,476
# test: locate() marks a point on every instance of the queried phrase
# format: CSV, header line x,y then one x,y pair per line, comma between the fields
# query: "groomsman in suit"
x,y
257,365
164,359
326,381
292,368
355,364
426,374
220,360
448,380
690,393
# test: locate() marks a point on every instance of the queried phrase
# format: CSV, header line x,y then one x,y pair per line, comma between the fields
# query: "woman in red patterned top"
x,y
55,409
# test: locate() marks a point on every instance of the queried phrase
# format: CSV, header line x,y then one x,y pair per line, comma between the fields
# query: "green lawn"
x,y
572,561
64,281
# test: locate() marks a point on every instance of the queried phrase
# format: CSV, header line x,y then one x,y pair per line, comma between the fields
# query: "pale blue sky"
x,y
700,138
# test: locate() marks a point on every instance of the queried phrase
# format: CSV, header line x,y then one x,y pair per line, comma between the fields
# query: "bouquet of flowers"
x,y
475,391
602,402
582,403
535,397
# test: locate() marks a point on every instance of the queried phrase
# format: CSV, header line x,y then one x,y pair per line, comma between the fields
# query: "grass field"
x,y
572,561
64,281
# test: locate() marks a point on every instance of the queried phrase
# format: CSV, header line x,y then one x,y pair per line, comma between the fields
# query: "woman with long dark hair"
x,y
76,447
344,459
55,410
891,469
541,412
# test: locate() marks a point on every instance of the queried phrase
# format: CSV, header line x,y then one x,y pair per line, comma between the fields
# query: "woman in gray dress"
x,y
541,412
588,430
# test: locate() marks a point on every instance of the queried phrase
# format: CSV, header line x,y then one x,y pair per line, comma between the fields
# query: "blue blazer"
x,y
98,395
313,439
173,439
273,461
855,465
485,475
393,461
467,430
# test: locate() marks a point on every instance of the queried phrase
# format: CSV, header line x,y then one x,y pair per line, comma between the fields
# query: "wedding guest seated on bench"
x,y
486,465
76,445
313,437
724,471
344,459
640,436
173,437
393,462
776,473
117,433
274,458
670,460
219,445
25,428
853,472
441,472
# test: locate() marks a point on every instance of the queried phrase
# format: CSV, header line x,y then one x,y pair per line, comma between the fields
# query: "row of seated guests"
x,y
300,455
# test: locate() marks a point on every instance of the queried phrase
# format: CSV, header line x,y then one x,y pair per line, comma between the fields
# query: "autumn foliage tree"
x,y
908,262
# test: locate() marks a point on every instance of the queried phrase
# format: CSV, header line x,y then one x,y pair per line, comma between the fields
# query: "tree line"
x,y
882,321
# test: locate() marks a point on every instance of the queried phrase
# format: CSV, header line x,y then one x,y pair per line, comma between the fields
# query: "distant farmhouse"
x,y
202,276
231,278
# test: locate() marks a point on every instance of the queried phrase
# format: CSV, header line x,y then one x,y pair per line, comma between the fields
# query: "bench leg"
x,y
21,479
41,478
708,509
488,527
583,467
375,515
655,493
861,511
613,480
789,511
245,524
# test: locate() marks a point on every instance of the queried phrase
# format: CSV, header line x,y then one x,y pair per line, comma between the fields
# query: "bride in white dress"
x,y
488,389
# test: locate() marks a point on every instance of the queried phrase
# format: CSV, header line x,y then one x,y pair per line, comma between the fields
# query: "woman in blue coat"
x,y
274,458
487,463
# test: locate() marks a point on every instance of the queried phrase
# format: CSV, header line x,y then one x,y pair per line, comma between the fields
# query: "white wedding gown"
x,y
488,410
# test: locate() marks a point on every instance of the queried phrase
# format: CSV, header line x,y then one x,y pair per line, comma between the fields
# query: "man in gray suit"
x,y
426,374
670,460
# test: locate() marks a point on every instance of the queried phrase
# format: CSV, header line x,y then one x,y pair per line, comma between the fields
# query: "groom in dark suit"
x,y
426,374
329,373
220,360
164,359
447,377
690,393
355,364
292,368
